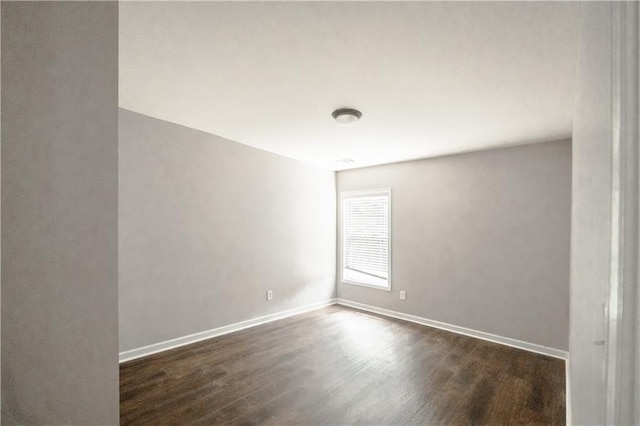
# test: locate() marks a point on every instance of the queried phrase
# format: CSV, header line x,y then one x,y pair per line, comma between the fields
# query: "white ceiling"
x,y
430,78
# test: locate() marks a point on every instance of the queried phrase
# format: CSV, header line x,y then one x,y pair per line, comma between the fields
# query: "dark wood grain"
x,y
342,366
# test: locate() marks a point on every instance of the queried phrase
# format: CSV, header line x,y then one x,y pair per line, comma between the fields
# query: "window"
x,y
365,238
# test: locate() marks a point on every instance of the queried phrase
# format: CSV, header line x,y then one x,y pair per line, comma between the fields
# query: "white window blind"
x,y
365,233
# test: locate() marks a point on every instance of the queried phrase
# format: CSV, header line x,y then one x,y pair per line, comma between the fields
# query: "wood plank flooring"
x,y
338,365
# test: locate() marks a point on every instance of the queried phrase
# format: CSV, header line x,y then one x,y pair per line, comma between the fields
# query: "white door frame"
x,y
623,307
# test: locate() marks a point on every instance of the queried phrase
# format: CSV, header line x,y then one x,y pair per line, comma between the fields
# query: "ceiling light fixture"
x,y
346,116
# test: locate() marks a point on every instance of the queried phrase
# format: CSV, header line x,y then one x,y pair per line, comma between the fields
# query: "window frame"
x,y
356,194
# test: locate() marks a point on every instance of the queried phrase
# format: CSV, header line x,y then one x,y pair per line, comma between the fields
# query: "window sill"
x,y
377,287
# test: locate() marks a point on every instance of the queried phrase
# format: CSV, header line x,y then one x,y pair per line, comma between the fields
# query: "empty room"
x,y
319,213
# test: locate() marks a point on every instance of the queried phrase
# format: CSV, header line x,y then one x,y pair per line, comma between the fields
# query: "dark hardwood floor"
x,y
342,366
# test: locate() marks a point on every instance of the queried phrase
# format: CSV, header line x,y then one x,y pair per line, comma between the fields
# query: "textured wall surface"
x,y
207,226
59,212
479,240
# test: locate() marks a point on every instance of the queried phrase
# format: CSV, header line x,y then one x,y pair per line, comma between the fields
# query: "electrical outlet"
x,y
269,295
403,295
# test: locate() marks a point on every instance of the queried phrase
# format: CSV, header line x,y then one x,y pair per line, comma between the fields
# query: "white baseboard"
x,y
203,335
519,344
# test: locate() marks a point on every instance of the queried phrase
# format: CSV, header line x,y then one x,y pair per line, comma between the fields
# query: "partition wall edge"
x,y
59,199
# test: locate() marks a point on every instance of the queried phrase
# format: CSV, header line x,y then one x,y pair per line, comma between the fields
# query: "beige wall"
x,y
59,212
207,225
479,240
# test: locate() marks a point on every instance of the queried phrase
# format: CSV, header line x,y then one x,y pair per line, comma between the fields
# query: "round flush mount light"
x,y
346,116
